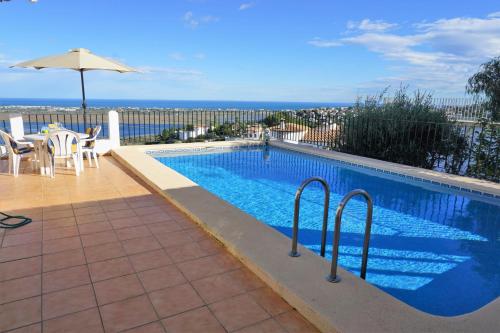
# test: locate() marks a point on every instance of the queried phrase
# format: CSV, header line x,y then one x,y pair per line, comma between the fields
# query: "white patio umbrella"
x,y
79,60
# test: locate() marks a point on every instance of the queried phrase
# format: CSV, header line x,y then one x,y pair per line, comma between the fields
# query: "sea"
x,y
170,104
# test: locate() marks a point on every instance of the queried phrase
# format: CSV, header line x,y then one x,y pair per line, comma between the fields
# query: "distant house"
x,y
289,132
197,131
254,131
320,136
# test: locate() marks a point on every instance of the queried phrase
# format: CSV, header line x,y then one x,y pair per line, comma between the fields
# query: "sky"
x,y
251,50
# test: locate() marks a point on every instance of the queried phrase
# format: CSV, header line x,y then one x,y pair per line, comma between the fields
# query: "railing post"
x,y
333,277
295,231
114,129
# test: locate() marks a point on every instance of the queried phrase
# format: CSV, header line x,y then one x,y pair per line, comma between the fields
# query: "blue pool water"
x,y
437,251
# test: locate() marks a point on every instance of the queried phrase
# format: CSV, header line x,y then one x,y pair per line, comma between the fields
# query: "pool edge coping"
x,y
371,310
450,181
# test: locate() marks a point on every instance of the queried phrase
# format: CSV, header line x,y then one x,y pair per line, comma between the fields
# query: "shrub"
x,y
407,130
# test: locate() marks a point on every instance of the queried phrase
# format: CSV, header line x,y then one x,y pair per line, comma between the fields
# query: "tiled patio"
x,y
106,254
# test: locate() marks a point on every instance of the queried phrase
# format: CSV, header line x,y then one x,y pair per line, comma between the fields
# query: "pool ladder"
x,y
333,277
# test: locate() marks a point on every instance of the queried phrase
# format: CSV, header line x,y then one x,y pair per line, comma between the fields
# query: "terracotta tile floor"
x,y
104,253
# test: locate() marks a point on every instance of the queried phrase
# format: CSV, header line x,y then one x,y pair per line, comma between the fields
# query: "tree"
x,y
487,82
225,129
169,135
485,152
275,118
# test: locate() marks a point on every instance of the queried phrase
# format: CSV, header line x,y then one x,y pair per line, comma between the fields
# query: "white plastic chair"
x,y
17,129
16,151
61,145
88,146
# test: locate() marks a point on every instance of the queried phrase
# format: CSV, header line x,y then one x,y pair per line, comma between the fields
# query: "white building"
x,y
197,131
255,132
289,132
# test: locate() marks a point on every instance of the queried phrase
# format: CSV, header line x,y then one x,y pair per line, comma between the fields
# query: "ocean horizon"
x,y
183,104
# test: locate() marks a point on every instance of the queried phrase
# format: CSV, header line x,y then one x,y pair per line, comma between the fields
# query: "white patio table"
x,y
43,157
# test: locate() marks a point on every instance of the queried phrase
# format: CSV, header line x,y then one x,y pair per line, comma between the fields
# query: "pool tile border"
x,y
154,152
417,179
492,192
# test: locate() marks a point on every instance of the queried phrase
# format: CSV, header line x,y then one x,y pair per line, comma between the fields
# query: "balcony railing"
x,y
464,148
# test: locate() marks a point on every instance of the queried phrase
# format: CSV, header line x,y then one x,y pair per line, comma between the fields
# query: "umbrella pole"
x,y
84,104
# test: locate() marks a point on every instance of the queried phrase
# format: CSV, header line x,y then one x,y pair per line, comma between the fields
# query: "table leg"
x,y
47,163
41,157
80,158
44,161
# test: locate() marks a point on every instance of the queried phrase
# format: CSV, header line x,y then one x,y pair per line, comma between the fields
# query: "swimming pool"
x,y
432,248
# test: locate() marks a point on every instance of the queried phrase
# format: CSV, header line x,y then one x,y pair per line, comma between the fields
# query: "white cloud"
x,y
193,22
176,56
209,19
200,56
151,83
470,37
188,18
171,73
7,61
247,5
369,25
495,14
319,42
436,55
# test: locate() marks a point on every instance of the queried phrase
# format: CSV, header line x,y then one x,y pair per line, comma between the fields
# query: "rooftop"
x,y
290,127
320,135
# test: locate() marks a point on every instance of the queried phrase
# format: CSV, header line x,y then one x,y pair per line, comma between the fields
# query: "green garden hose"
x,y
3,225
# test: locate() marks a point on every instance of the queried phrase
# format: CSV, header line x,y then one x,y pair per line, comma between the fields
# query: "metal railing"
x,y
4,124
33,122
460,109
333,277
298,195
470,149
166,126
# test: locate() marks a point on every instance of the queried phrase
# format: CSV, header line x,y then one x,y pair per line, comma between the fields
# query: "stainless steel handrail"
x,y
336,238
298,194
